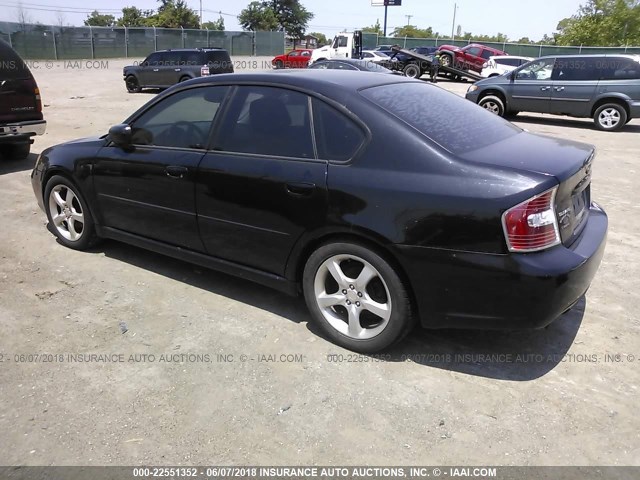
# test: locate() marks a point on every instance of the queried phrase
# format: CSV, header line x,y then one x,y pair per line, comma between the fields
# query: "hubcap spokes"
x,y
349,307
66,213
609,117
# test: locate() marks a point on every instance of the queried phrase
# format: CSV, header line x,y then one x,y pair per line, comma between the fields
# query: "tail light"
x,y
532,225
36,90
204,71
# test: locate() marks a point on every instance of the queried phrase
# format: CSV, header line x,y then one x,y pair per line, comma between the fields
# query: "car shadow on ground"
x,y
9,165
584,123
502,355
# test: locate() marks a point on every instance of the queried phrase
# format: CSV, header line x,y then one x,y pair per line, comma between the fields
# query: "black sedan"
x,y
349,64
384,200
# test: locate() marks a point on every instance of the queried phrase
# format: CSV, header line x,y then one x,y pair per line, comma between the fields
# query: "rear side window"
x,y
620,69
512,62
191,58
220,56
451,121
577,69
11,65
337,136
486,54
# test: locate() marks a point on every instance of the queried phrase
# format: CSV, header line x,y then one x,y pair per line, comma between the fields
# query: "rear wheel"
x,y
493,104
15,152
412,71
356,297
446,60
133,86
68,214
279,64
610,117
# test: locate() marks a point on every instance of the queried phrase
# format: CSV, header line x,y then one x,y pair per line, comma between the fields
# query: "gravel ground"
x,y
216,370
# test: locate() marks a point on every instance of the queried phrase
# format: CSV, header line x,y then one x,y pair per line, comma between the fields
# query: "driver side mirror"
x,y
121,135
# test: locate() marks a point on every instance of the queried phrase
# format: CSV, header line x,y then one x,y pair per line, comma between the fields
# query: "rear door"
x,y
262,186
575,82
530,89
19,94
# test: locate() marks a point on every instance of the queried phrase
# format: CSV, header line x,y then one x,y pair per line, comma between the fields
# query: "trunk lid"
x,y
568,161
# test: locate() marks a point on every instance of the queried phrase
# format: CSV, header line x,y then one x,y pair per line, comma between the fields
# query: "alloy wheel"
x,y
66,213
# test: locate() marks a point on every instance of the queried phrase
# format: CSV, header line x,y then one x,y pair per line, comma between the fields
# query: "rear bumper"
x,y
10,132
515,291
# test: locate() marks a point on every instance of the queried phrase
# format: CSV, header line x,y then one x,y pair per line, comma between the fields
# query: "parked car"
x,y
20,105
464,220
603,87
164,68
294,59
470,57
349,64
499,65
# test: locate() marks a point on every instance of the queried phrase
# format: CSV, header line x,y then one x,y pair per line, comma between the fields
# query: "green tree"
x,y
322,38
98,20
377,29
175,14
412,31
134,17
257,17
602,23
293,18
524,40
217,25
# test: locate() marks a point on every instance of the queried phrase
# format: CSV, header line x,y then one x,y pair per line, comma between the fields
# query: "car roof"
x,y
207,49
511,56
326,82
593,55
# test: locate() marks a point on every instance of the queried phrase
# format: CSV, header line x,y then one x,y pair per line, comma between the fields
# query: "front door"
x,y
261,187
575,82
148,190
530,90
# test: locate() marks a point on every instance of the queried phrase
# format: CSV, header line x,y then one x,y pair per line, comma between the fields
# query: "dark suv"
x,y
164,68
603,87
20,105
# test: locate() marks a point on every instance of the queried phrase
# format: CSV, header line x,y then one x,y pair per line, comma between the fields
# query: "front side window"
x,y
294,54
152,60
538,70
268,121
182,120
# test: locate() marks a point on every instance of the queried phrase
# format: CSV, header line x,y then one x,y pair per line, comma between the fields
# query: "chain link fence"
x,y
525,50
61,43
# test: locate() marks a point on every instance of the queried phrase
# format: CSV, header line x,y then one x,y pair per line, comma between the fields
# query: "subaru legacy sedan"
x,y
383,200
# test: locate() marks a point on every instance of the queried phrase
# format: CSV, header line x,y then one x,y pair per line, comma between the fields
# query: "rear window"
x,y
11,65
449,120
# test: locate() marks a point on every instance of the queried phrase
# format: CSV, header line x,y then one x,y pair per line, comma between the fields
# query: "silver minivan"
x,y
603,87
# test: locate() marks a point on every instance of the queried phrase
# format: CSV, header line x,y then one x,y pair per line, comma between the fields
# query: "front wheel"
x,y
279,64
68,214
446,61
133,86
610,117
356,297
493,104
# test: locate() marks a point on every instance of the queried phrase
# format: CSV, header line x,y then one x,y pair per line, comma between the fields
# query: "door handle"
x,y
544,89
177,69
176,171
156,70
559,89
300,189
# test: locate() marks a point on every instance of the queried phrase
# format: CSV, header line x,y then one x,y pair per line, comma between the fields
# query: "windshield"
x,y
451,121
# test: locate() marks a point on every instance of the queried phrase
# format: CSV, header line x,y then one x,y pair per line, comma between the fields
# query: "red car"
x,y
469,57
294,59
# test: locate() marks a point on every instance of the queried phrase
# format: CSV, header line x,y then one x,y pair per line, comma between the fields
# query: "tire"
x,y
132,84
15,151
279,64
184,79
69,218
412,71
446,60
493,104
610,117
345,317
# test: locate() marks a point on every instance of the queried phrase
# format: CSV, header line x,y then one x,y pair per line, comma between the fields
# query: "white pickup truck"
x,y
344,45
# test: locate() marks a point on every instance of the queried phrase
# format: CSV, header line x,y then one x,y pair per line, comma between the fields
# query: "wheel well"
x,y
63,173
615,100
354,238
495,93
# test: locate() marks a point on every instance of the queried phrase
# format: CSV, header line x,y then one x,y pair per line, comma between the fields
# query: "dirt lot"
x,y
216,370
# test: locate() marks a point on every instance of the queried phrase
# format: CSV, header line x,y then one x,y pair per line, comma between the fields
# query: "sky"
x,y
515,18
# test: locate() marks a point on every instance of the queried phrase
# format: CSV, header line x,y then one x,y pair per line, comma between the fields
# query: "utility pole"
x,y
200,14
408,19
453,26
384,32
